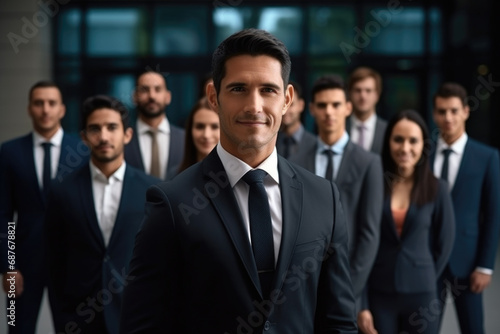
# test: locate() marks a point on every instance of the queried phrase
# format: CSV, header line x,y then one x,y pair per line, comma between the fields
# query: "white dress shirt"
x,y
236,169
145,141
369,131
454,160
321,161
107,193
39,153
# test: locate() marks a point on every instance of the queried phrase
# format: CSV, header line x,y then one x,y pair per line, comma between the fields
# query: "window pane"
x,y
435,37
227,21
69,33
328,28
116,32
387,33
180,30
286,24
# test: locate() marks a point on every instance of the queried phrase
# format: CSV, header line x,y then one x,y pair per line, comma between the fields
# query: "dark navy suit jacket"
x,y
133,154
476,201
195,272
412,262
20,194
80,265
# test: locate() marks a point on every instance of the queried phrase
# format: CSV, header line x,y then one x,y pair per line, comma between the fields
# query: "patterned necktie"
x,y
155,158
261,230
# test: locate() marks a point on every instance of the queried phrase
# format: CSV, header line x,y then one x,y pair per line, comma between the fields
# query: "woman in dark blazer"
x,y
417,234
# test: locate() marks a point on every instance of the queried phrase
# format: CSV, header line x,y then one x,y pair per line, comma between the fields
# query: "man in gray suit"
x,y
364,126
157,146
292,136
357,173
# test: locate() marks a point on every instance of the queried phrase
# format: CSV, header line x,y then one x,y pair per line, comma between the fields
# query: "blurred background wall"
x,y
91,47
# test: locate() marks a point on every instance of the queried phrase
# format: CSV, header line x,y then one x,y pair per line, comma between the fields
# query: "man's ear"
x,y
212,96
289,94
129,132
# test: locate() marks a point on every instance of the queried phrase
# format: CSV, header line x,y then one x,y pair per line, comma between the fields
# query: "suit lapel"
x,y
27,149
135,151
464,165
345,167
125,202
291,203
87,200
226,206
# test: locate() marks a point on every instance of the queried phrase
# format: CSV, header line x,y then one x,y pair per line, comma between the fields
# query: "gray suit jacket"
x,y
378,139
306,141
360,182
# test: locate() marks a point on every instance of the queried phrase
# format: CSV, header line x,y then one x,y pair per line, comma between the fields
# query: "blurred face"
x,y
250,104
151,95
450,116
292,116
46,110
330,109
406,146
105,136
364,97
205,131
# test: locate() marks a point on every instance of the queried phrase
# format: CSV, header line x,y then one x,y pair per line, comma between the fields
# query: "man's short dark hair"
x,y
96,102
147,71
44,84
451,89
253,42
330,81
361,73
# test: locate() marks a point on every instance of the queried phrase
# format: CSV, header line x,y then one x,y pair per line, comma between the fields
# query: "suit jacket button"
x,y
267,325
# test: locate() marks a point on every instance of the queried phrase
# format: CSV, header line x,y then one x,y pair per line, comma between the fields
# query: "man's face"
x,y
250,103
46,110
450,116
151,95
330,109
105,136
364,96
293,113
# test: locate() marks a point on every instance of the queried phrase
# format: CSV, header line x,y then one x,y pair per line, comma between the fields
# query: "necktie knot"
x,y
254,176
447,152
46,146
152,132
329,153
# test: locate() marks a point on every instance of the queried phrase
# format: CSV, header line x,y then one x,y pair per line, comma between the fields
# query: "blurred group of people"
x,y
403,218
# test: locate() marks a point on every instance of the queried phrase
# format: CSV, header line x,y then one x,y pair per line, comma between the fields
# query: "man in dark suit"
x,y
365,127
292,135
92,219
357,173
157,146
26,168
219,252
472,170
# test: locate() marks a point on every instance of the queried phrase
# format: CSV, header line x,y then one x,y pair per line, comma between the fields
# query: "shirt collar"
x,y
96,173
163,127
369,124
338,147
56,139
236,168
457,147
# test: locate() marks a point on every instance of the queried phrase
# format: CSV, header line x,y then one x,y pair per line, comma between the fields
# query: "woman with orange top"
x,y
417,234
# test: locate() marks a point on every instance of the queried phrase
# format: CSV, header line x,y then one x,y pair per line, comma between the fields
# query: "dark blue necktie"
x,y
329,167
46,167
444,171
261,230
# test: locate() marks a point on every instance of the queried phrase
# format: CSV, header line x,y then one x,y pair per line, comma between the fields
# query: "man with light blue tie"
x,y
472,170
357,173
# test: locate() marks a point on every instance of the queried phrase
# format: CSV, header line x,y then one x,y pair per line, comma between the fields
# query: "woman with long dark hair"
x,y
417,234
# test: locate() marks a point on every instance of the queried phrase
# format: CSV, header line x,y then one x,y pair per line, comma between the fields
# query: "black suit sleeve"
x,y
336,307
150,297
443,228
